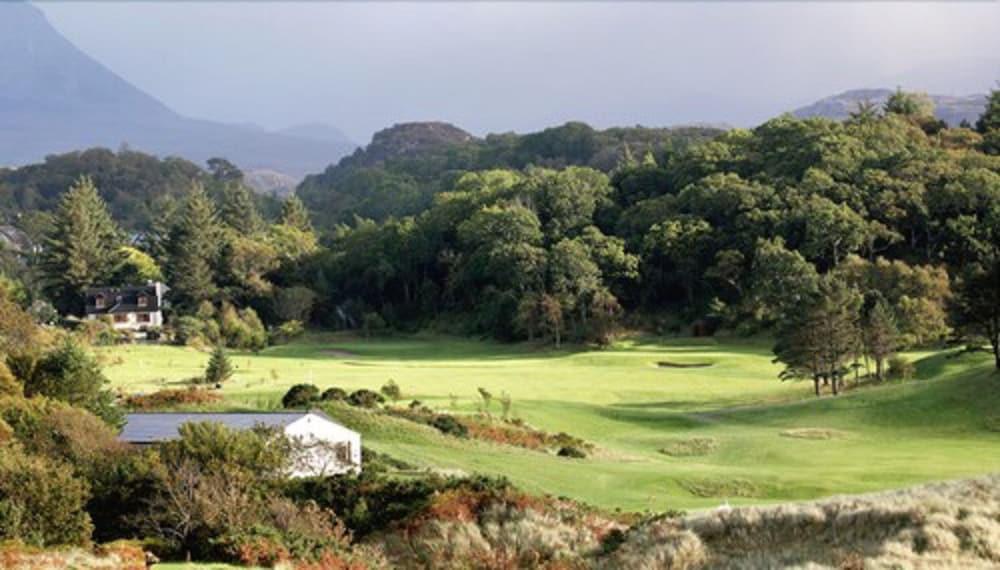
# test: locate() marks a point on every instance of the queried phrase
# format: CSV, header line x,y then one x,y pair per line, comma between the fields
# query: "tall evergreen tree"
x,y
239,211
989,124
80,248
294,214
879,332
193,250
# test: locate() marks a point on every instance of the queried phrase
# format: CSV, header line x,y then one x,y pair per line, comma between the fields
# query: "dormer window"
x,y
143,301
99,301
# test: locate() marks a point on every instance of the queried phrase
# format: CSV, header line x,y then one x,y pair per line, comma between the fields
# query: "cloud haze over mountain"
x,y
523,66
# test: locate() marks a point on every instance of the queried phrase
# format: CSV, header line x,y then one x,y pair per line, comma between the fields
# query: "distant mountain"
x,y
55,98
948,108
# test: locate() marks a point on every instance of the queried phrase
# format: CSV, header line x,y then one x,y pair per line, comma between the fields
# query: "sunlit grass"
x,y
888,436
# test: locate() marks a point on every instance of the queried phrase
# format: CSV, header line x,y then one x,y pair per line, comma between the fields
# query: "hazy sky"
x,y
523,66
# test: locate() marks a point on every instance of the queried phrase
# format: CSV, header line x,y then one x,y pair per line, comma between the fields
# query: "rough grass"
x,y
946,525
691,447
930,428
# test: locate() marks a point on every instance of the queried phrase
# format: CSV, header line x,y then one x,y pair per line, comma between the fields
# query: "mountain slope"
x,y
948,108
55,98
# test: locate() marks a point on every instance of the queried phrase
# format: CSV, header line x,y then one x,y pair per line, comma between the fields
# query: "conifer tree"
x,y
193,250
880,333
294,214
80,249
219,368
239,211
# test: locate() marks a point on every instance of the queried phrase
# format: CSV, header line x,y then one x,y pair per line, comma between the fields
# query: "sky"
x,y
523,66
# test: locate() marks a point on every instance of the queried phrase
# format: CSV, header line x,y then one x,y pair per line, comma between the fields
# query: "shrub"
x,y
300,396
287,331
391,390
571,452
219,368
294,303
449,425
68,373
901,368
41,502
365,398
9,386
163,399
333,394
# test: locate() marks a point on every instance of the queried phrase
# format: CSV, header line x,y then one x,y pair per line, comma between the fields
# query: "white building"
x,y
134,308
323,447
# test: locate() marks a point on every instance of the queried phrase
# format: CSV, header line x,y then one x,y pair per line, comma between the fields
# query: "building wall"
x,y
321,437
131,321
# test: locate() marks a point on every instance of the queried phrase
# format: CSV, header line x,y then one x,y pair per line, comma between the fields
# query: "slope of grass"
x,y
631,407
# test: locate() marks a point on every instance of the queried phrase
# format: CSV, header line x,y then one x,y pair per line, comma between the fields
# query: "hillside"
x,y
950,109
404,166
57,99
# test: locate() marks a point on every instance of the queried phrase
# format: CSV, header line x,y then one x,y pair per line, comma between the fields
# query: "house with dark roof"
x,y
322,446
132,308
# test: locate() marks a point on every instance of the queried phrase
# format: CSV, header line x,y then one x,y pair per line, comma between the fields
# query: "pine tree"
x,y
294,214
80,249
880,333
239,211
219,368
193,250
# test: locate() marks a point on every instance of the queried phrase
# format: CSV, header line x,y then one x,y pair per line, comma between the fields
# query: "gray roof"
x,y
155,427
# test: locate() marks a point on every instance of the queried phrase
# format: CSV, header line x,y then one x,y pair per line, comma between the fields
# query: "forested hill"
x,y
948,108
407,164
138,188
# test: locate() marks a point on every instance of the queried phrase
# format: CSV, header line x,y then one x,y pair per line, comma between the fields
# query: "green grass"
x,y
933,427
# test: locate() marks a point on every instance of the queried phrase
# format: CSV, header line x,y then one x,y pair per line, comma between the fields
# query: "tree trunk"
x,y
816,384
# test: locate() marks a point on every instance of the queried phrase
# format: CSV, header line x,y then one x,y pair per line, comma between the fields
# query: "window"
x,y
143,301
121,318
99,301
344,452
143,317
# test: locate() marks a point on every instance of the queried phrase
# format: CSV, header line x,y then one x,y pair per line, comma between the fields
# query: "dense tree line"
x,y
738,232
405,166
891,209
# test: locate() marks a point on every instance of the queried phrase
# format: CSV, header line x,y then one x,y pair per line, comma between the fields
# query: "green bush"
x,y
300,396
391,390
219,368
41,502
572,452
333,394
449,425
68,373
287,331
365,398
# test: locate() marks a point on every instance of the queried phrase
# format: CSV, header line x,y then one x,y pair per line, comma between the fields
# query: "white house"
x,y
323,447
133,308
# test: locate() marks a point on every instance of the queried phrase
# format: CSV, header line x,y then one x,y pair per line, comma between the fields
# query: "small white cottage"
x,y
324,446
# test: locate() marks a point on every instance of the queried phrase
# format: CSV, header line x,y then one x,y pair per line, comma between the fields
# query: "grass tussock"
x,y
690,447
122,555
814,433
